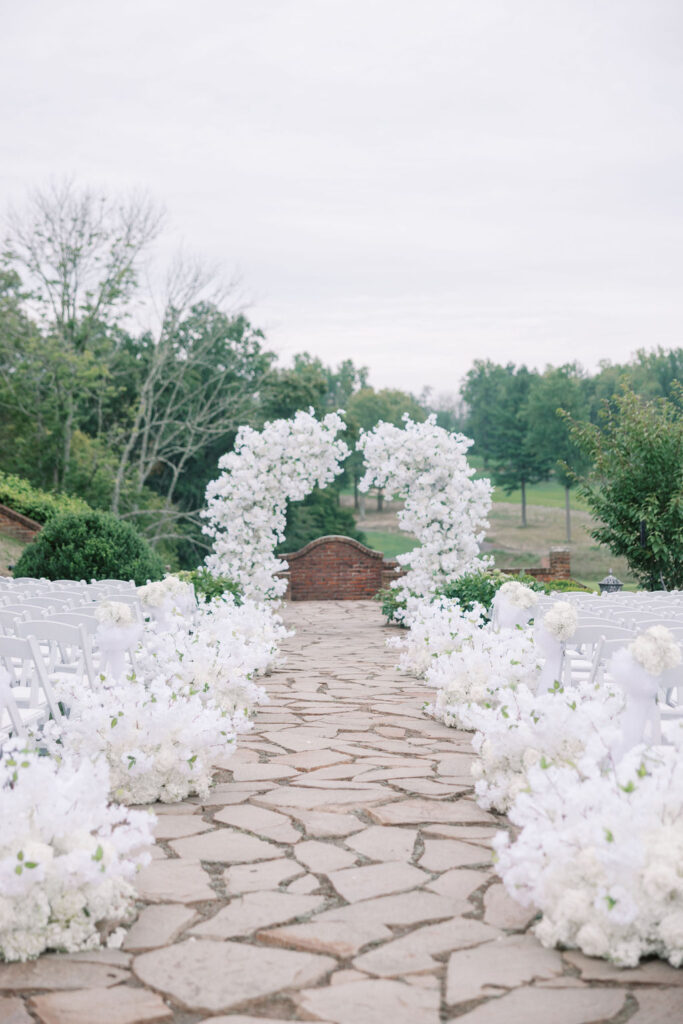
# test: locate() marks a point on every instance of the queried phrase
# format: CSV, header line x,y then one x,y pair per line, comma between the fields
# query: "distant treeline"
x,y
134,419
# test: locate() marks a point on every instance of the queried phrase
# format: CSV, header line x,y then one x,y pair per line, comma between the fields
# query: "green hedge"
x,y
89,546
42,506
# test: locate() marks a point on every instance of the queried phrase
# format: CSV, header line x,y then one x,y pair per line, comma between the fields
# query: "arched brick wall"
x,y
335,569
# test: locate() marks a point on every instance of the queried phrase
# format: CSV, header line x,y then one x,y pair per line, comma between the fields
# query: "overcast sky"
x,y
409,183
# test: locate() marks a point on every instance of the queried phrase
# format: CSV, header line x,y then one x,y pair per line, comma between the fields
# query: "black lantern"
x,y
610,584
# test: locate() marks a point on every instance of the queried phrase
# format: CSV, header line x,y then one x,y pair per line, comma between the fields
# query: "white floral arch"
x,y
425,465
247,504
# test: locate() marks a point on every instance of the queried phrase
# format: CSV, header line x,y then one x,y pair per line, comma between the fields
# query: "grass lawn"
x,y
390,544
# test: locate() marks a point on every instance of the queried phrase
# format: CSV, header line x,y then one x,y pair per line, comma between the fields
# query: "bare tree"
x,y
198,386
78,254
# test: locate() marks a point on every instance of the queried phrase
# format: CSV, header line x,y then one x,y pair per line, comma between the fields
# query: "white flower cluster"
x,y
167,598
218,655
656,650
602,856
484,664
247,504
157,745
436,627
114,613
600,847
66,855
526,729
426,466
518,595
561,620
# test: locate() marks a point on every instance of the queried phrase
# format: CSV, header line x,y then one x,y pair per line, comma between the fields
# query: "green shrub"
x,y
207,586
21,496
566,586
90,545
481,587
391,604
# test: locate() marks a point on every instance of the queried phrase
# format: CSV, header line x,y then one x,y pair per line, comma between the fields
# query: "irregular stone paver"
x,y
55,972
13,1011
658,1007
372,1002
501,965
414,952
384,843
529,1005
178,881
340,871
214,976
323,857
442,854
159,925
224,845
245,914
502,911
258,819
266,874
176,826
356,884
121,1005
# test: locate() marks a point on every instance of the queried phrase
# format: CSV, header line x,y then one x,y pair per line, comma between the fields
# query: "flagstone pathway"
x,y
339,873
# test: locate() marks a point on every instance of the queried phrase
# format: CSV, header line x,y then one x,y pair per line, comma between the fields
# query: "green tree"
x,y
498,420
635,488
548,435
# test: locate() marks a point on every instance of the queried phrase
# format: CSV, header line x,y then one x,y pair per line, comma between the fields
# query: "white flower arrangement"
x,y
602,857
67,856
158,745
444,507
518,595
559,727
561,621
218,654
246,505
114,613
153,595
656,650
436,627
485,665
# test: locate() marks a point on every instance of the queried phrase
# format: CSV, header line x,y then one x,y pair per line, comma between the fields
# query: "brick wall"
x,y
14,524
334,569
558,567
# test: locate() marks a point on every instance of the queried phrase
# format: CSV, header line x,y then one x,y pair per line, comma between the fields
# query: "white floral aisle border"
x,y
67,856
247,504
426,466
600,847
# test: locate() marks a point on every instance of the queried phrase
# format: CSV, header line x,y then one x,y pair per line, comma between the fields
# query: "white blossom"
x,y
426,466
67,856
247,504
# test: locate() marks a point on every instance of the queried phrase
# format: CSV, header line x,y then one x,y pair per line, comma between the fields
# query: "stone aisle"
x,y
340,873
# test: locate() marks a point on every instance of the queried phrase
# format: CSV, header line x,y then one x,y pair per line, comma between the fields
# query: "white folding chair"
x,y
28,679
67,647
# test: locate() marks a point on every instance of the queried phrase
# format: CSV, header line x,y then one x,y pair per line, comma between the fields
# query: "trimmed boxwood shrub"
x,y
21,496
90,545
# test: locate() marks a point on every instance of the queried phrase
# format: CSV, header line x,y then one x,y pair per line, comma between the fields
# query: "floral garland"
x,y
247,504
67,856
444,507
